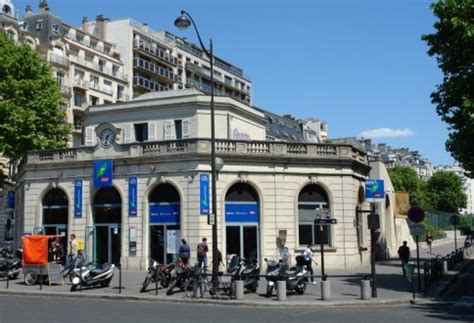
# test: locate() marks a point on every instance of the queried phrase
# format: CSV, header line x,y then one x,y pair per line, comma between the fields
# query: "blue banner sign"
x,y
103,173
10,200
164,213
132,196
204,191
374,190
78,198
242,212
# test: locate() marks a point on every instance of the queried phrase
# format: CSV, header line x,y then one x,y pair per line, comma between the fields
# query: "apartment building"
x,y
467,185
88,69
162,61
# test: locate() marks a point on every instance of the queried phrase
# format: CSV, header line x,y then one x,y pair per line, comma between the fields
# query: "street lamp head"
x,y
182,22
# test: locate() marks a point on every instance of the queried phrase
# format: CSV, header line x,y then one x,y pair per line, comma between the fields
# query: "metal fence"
x,y
440,220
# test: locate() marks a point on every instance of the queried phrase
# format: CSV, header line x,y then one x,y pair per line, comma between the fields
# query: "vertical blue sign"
x,y
204,192
10,200
132,196
374,190
103,173
78,198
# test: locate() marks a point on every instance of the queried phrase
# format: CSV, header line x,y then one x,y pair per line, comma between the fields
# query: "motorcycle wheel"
x,y
14,276
30,278
145,284
73,287
253,288
171,286
301,288
105,283
269,291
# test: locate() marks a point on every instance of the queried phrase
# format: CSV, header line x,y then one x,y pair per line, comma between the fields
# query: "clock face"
x,y
107,137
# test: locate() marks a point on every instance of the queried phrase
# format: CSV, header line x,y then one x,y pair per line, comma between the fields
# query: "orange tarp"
x,y
35,249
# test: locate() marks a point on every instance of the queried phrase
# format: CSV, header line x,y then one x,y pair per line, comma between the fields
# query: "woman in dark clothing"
x,y
184,252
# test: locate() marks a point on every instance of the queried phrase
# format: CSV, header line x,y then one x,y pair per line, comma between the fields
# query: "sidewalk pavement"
x,y
392,287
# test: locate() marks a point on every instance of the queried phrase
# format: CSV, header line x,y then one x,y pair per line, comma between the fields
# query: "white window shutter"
x,y
127,136
151,131
89,137
186,125
168,130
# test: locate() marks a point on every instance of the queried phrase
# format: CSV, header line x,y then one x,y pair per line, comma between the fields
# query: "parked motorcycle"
x,y
158,273
232,272
91,276
10,262
179,277
250,275
295,277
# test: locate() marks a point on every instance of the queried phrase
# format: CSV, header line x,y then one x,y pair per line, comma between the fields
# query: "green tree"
x,y
405,179
30,117
453,46
445,191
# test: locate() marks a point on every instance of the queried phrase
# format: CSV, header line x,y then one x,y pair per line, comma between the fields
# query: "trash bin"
x,y
409,270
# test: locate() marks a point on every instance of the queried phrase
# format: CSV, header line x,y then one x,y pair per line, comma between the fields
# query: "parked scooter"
x,y
92,276
232,272
158,273
250,275
10,262
179,277
295,277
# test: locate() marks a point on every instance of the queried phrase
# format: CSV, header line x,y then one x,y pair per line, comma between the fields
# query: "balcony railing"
x,y
155,69
58,59
206,88
155,51
65,90
149,85
107,50
99,68
228,149
81,83
123,97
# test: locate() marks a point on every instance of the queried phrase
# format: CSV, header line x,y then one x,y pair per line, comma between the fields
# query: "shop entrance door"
x,y
107,244
164,242
242,240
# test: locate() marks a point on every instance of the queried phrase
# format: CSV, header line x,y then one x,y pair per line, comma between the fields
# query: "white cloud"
x,y
386,133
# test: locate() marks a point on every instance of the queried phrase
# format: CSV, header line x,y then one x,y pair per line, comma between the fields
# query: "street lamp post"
x,y
183,22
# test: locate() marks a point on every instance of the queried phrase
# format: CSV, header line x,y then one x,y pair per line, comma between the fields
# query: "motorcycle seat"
x,y
98,271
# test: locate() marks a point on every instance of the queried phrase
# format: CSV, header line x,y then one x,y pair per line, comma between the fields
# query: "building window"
x,y
93,100
77,122
60,77
78,99
94,82
11,34
115,70
141,132
101,65
178,126
62,106
312,198
39,24
79,38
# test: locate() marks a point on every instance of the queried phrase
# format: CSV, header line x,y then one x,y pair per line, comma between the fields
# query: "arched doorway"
x,y
242,216
107,214
311,198
164,218
55,214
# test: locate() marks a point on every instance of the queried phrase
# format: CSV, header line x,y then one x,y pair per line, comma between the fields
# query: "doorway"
x,y
244,239
107,243
164,243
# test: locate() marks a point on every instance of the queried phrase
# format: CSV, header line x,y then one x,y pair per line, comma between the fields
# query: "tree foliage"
x,y
445,192
30,117
405,179
453,46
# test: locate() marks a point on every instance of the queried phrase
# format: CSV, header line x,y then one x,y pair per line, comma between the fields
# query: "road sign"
x,y
416,230
374,190
325,221
454,219
373,221
416,214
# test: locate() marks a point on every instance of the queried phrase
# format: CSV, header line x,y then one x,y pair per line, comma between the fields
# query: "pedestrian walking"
x,y
184,252
404,254
308,258
429,241
57,251
202,250
72,255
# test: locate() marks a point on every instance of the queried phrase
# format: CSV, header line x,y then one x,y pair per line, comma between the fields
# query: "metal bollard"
x,y
365,291
445,266
325,290
120,278
239,289
281,290
7,274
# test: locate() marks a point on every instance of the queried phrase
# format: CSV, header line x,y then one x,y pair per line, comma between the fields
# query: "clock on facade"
x,y
107,137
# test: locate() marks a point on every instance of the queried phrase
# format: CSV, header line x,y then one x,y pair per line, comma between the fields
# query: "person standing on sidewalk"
x,y
404,254
202,250
308,258
429,241
184,252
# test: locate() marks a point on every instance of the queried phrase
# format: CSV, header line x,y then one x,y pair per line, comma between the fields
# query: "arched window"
x,y
11,34
55,207
7,10
311,199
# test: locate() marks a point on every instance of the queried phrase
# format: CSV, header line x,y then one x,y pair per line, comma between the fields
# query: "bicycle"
x,y
199,284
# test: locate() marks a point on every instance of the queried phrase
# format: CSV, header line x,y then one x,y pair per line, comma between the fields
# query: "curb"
x,y
246,303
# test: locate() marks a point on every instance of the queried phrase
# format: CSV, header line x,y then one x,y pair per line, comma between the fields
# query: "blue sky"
x,y
359,65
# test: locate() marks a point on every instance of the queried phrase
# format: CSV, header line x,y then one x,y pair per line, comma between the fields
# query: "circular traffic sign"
x,y
416,214
454,219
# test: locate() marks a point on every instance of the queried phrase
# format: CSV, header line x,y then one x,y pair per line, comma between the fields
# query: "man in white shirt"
x,y
308,257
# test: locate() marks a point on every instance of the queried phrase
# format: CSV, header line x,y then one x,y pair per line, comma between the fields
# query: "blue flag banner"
x,y
242,212
164,213
132,196
204,191
78,198
374,190
10,200
103,173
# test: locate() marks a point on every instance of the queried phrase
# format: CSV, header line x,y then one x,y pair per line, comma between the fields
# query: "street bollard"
x,y
365,291
239,289
120,278
281,290
325,290
7,274
445,266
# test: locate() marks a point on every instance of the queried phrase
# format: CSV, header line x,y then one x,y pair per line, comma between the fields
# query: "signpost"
x,y
417,214
323,218
455,220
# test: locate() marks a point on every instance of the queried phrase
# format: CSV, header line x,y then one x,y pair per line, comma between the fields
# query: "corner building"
x,y
157,148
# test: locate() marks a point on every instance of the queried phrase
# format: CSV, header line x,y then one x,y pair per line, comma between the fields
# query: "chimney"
x,y
43,6
28,10
99,29
84,24
289,116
